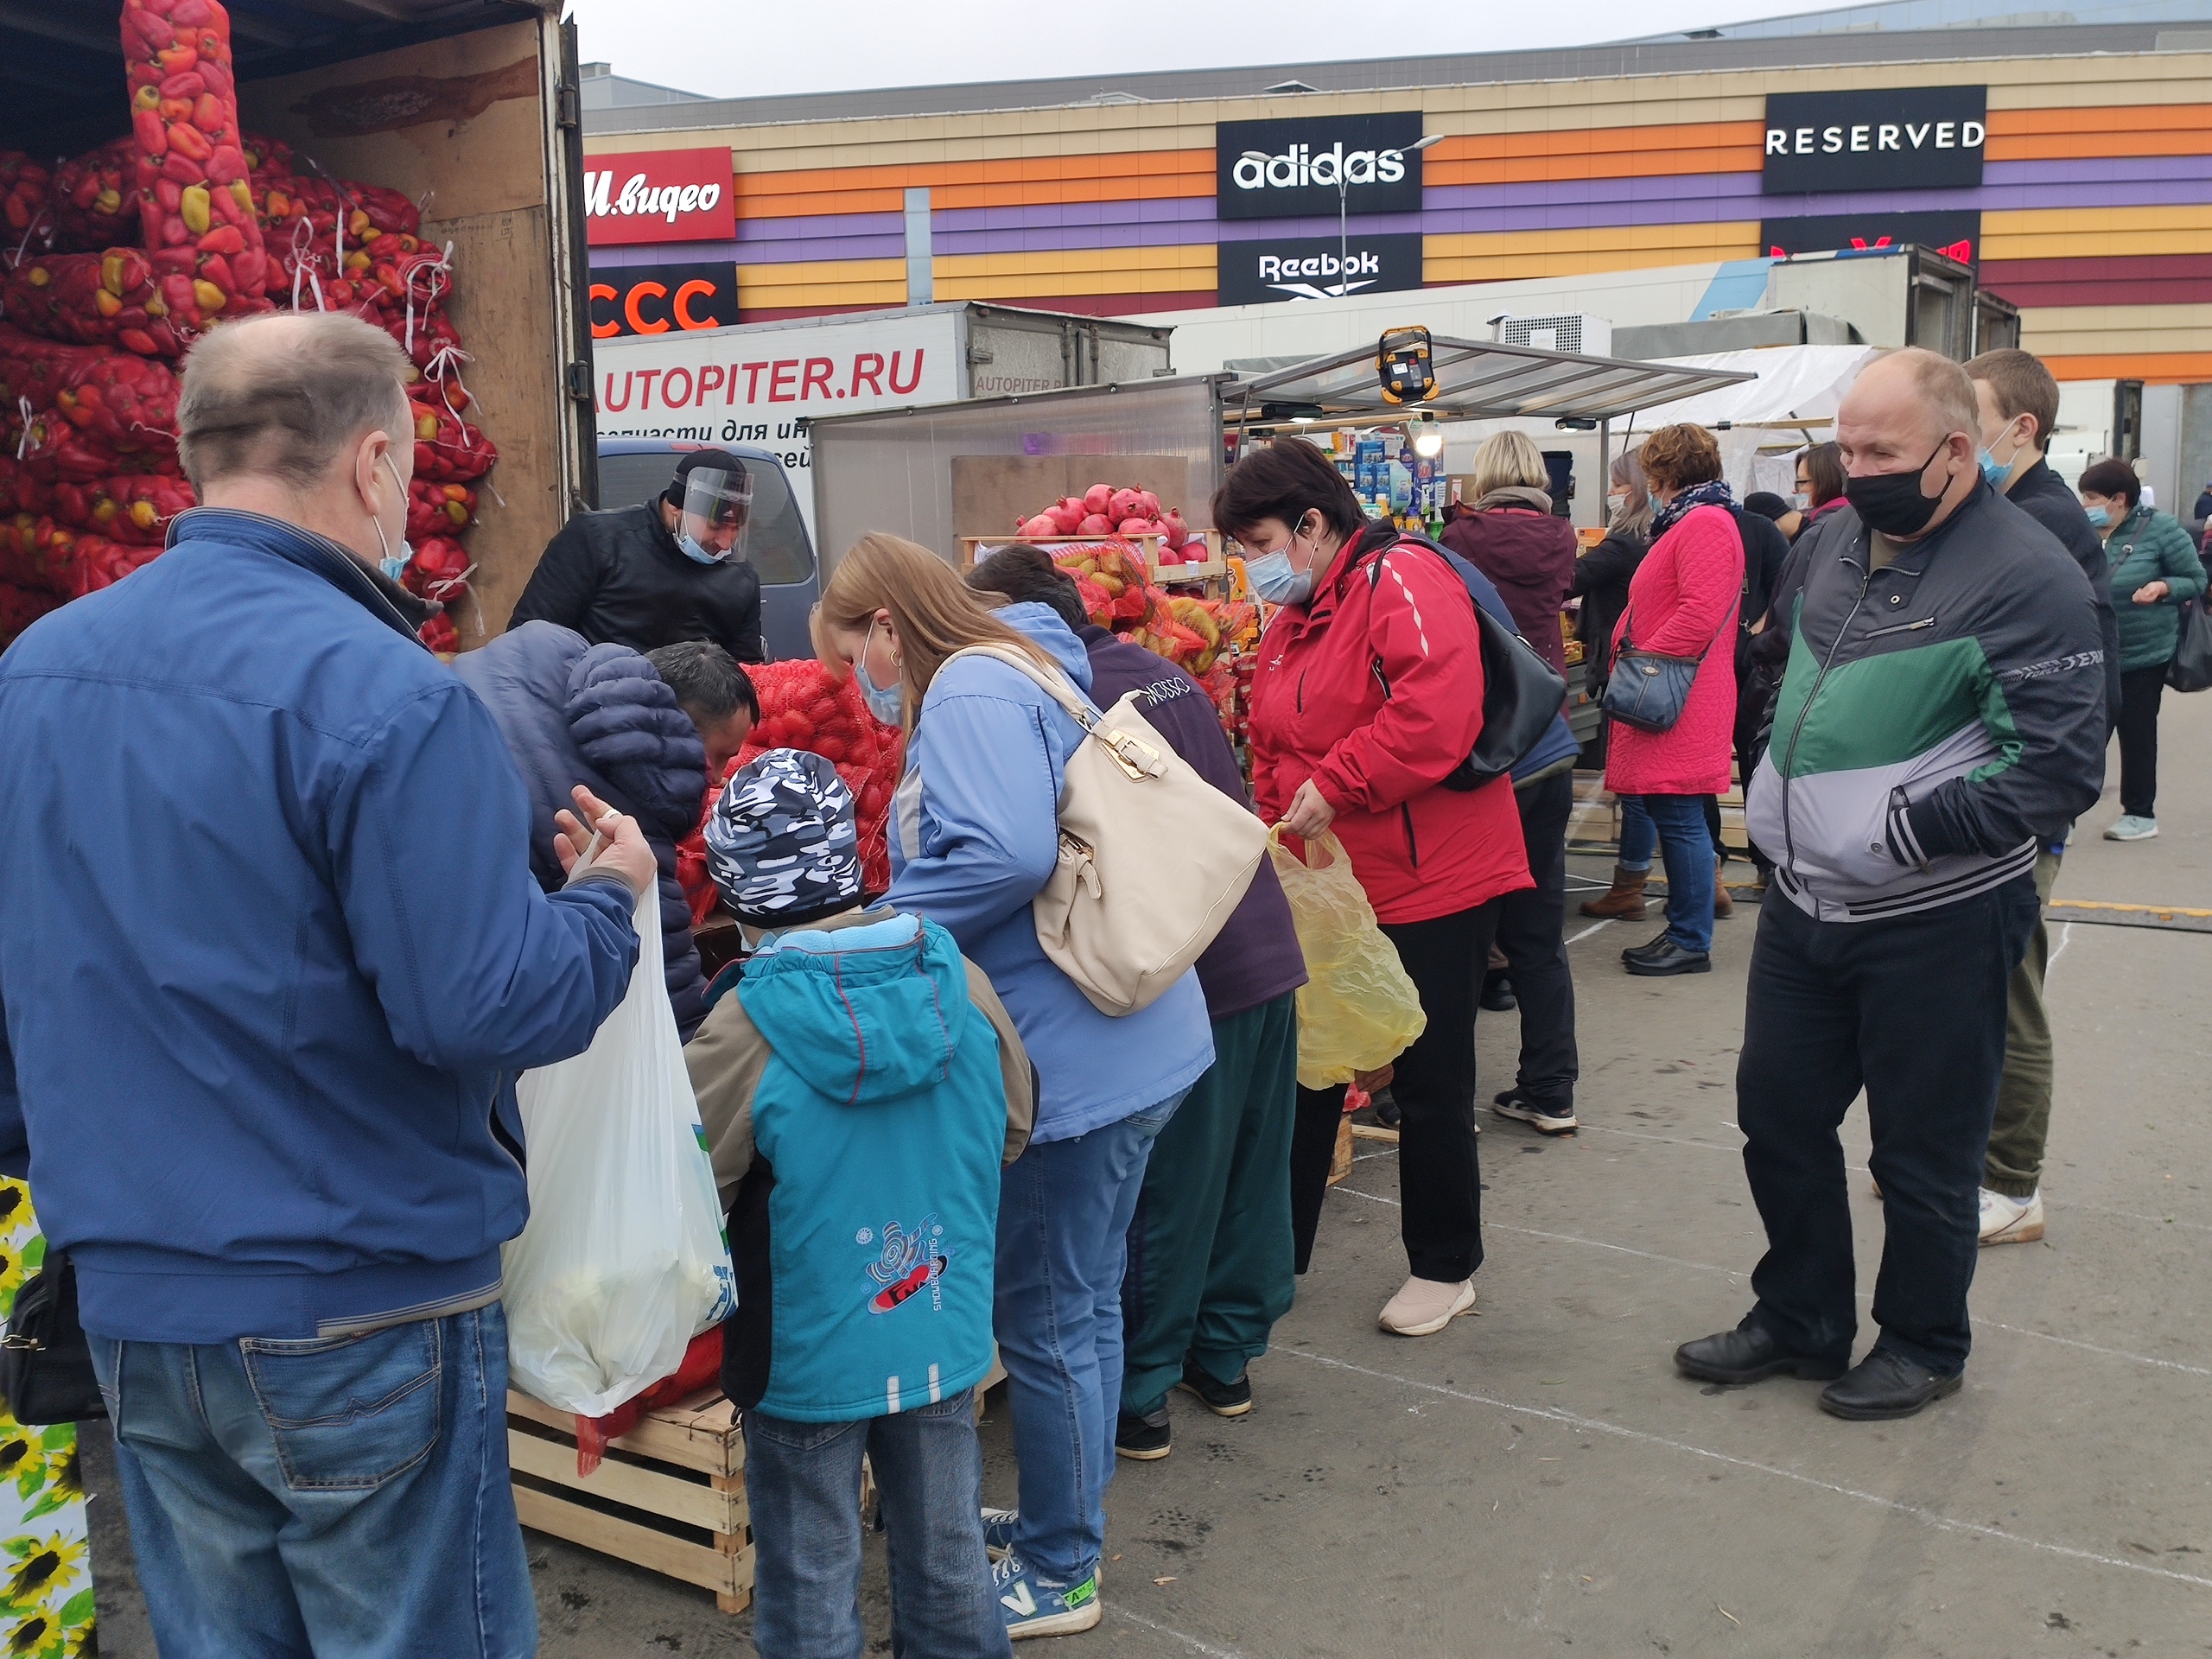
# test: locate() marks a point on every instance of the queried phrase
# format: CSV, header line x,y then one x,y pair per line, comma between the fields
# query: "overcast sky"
x,y
730,50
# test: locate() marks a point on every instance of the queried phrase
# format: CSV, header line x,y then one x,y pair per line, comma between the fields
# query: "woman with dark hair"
x,y
2152,569
1368,696
1821,483
1682,602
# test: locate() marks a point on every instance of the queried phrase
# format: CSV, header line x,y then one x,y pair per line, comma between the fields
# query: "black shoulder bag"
x,y
1522,694
46,1364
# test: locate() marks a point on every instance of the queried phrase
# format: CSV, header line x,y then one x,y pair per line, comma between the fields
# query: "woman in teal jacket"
x,y
2153,568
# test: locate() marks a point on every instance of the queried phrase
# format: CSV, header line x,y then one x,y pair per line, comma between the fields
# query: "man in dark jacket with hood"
x,y
670,569
602,715
2019,399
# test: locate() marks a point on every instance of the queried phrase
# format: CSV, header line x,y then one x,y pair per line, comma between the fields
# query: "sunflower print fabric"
x,y
46,1570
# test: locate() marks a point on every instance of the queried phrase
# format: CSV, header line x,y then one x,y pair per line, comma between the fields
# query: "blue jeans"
x,y
345,1497
1687,845
1064,1221
1639,835
802,1483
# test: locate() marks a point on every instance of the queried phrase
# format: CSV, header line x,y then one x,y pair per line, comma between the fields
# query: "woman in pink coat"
x,y
1682,602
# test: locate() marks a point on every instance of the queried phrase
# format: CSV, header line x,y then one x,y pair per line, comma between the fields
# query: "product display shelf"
x,y
1213,569
669,1496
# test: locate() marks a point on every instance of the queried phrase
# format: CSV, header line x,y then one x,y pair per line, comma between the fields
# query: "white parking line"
x,y
1189,1642
1594,928
1980,1322
1588,1425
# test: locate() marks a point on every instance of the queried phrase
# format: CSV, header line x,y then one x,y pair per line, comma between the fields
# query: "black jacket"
x,y
1601,577
2042,495
599,716
1941,717
618,578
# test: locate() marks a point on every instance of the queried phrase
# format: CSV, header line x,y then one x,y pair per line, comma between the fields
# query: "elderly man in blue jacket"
x,y
269,956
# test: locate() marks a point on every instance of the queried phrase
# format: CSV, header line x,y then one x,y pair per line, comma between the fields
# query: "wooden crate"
x,y
669,1496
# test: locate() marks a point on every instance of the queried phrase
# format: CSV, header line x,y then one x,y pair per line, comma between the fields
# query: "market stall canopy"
x,y
1475,380
56,54
1796,385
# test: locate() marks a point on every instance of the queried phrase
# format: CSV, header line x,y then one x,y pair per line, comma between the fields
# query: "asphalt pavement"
x,y
1537,1478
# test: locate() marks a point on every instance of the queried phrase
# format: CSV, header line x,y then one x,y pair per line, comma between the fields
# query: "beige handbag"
x,y
1153,857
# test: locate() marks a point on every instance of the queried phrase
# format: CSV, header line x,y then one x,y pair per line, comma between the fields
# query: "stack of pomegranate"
x,y
1102,510
803,707
123,256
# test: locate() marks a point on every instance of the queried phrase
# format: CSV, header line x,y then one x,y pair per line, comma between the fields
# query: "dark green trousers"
x,y
1209,1250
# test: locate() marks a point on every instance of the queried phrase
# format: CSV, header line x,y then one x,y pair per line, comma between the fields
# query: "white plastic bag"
x,y
624,1259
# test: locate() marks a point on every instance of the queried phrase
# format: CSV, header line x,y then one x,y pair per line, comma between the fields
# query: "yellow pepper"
x,y
195,208
211,298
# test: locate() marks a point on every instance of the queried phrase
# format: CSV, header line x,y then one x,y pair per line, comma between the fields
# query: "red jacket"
x,y
1682,602
1319,711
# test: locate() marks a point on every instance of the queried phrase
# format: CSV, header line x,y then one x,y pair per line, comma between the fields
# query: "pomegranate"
x,y
1097,498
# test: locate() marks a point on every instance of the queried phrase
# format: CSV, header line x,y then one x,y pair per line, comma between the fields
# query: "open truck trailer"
x,y
471,109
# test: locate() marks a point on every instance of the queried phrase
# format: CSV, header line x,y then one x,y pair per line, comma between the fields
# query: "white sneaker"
x,y
2131,828
2011,1221
1424,1306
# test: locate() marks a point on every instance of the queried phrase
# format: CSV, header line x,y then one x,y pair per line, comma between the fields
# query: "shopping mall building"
x,y
2064,154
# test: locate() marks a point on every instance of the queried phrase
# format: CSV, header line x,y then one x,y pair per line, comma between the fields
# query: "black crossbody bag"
x,y
46,1363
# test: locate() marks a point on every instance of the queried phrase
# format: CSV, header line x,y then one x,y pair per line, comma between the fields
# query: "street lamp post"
x,y
1344,209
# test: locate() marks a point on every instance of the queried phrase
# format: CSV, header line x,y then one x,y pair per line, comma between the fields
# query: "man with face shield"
x,y
662,573
1942,717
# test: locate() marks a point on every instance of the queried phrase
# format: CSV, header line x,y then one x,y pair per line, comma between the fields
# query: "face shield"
x,y
716,508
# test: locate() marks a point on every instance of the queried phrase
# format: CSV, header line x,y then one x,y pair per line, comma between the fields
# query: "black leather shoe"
x,y
1885,1385
1750,1353
1497,994
1668,959
1650,949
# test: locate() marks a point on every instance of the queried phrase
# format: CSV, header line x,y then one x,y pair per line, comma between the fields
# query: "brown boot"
x,y
1722,904
1625,902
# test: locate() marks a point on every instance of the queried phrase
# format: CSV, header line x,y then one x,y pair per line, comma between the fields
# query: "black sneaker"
x,y
1223,1399
1147,1438
1552,1117
1497,994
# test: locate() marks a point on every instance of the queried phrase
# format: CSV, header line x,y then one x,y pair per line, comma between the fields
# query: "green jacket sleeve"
x,y
2178,564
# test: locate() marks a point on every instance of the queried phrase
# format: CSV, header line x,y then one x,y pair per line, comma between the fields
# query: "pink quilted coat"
x,y
1682,602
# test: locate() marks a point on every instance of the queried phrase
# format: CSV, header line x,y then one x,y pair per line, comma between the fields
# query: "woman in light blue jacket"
x,y
975,837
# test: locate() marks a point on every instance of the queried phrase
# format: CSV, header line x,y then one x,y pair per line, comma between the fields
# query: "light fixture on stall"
x,y
1427,436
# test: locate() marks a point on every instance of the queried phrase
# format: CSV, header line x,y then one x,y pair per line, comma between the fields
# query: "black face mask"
x,y
1891,502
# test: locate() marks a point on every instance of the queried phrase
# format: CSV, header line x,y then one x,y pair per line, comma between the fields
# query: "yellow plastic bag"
x,y
1357,1010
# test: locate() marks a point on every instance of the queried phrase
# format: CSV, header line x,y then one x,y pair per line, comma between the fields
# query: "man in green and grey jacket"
x,y
1942,717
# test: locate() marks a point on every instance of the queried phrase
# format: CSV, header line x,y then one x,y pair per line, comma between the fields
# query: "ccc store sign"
x,y
662,299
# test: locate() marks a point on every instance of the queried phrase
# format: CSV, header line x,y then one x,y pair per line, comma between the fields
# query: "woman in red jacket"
x,y
1682,602
1369,693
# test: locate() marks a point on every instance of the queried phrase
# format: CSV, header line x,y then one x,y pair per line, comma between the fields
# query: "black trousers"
x,y
2141,691
1439,1181
1531,927
1911,1009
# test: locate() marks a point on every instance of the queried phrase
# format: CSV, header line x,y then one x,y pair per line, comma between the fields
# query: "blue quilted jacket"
x,y
599,716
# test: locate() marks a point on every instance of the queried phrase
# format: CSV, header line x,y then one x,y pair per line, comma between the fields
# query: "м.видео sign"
x,y
658,195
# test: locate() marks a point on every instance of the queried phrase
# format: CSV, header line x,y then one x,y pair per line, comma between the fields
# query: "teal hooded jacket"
x,y
866,1223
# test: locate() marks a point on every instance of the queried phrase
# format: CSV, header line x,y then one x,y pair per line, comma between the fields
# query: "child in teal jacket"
x,y
860,1086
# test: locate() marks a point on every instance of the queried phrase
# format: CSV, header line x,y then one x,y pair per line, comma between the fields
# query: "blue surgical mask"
x,y
699,554
1997,471
1658,505
887,704
393,563
1273,579
2099,516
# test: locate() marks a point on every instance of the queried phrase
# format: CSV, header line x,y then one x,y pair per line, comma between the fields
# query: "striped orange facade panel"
x,y
1595,153
1128,175
2154,368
